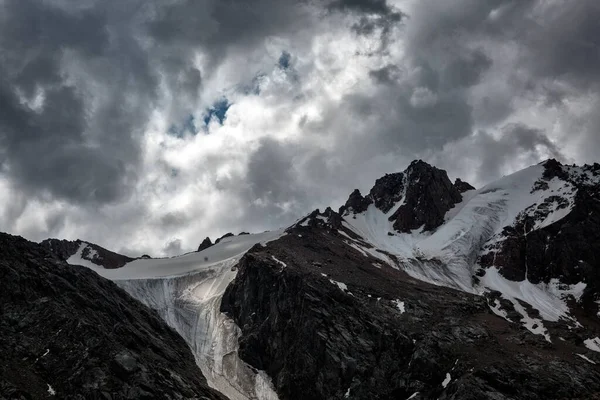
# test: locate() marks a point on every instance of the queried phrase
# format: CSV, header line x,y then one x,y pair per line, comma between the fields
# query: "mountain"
x,y
86,254
68,333
422,288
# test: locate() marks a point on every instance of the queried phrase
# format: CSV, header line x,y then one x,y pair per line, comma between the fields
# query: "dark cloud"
x,y
484,155
385,75
478,86
565,43
271,176
58,146
530,144
363,6
222,26
97,79
284,60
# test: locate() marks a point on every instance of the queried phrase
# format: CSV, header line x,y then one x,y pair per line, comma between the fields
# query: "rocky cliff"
x,y
67,333
327,322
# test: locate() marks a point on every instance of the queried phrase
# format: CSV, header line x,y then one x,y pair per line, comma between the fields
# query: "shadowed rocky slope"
x,y
383,335
67,333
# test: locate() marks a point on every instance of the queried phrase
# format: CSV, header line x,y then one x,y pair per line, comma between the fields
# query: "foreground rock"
x,y
327,322
68,333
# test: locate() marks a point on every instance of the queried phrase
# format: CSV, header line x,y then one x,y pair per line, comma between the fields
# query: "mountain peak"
x,y
206,243
462,186
418,197
553,168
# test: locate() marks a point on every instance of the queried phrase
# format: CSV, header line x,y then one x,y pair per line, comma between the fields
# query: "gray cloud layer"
x,y
481,87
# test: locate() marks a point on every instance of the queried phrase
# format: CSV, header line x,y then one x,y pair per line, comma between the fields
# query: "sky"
x,y
145,126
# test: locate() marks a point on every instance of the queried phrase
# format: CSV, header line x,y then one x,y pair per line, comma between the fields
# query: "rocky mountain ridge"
x,y
399,293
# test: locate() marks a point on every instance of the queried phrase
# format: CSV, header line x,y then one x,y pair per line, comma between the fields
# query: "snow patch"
x,y
585,358
446,380
593,344
279,262
51,391
77,258
341,285
563,291
412,396
400,305
545,298
533,325
498,311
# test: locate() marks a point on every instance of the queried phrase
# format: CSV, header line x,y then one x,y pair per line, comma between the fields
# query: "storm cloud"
x,y
104,133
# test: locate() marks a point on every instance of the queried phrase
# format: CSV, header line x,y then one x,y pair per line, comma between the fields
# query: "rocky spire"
x,y
206,243
426,192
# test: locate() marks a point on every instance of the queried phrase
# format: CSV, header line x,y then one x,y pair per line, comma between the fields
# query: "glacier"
x,y
186,291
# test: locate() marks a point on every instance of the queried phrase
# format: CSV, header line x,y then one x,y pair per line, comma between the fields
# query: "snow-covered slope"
x,y
186,291
449,255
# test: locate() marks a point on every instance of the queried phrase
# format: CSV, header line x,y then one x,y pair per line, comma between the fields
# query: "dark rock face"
x,y
568,249
553,168
429,195
65,330
104,258
427,192
383,335
462,186
206,243
356,203
388,190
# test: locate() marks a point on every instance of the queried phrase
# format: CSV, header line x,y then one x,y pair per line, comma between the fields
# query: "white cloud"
x,y
449,86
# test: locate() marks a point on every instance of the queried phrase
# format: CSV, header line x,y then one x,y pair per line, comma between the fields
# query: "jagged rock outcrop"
x,y
356,203
462,186
229,234
92,252
206,243
567,249
68,333
325,323
425,193
429,195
